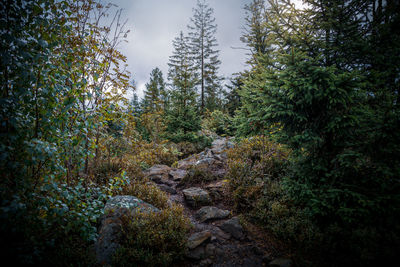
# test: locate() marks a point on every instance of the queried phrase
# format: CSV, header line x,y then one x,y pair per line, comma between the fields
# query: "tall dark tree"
x,y
182,115
255,31
329,84
203,45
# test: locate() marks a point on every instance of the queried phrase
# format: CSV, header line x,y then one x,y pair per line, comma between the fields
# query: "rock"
x,y
219,234
233,227
205,263
177,174
110,230
204,163
158,173
211,213
216,189
196,196
197,239
187,162
128,203
210,250
167,189
219,185
196,254
267,258
281,262
211,166
221,144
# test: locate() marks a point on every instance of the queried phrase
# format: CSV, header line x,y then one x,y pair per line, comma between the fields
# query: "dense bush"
x,y
251,164
145,190
190,143
54,223
155,238
142,155
256,170
197,176
217,122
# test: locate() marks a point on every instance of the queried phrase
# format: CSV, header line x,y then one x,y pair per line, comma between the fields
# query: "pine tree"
x,y
182,115
202,45
154,95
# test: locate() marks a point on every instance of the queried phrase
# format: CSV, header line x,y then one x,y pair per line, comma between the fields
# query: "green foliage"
x,y
56,217
59,88
217,122
155,95
153,239
232,98
182,117
316,87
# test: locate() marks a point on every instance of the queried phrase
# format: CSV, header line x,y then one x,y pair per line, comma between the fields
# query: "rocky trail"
x,y
218,237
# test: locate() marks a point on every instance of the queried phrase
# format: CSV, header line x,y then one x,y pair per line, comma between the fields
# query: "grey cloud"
x,y
155,23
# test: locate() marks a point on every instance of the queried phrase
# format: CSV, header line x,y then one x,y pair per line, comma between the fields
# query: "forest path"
x,y
218,237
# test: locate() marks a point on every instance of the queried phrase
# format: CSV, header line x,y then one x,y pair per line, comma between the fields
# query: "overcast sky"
x,y
155,23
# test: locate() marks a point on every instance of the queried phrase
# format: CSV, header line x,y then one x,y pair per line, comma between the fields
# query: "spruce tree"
x,y
329,84
232,97
203,50
154,95
255,33
183,118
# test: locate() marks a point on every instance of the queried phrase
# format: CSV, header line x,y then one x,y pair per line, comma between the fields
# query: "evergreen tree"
x,y
134,105
232,97
154,95
328,83
202,45
255,31
182,117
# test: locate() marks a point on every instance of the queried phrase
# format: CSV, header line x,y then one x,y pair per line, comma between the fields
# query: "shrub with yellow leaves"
x,y
256,167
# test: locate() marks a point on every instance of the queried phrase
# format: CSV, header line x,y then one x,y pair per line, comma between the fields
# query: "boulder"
x,y
197,239
211,213
187,162
210,250
167,189
110,230
211,166
177,174
128,203
158,173
196,254
216,189
196,196
233,227
205,263
281,262
221,144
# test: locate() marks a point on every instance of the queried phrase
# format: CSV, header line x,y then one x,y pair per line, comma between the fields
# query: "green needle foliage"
x,y
326,83
183,118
